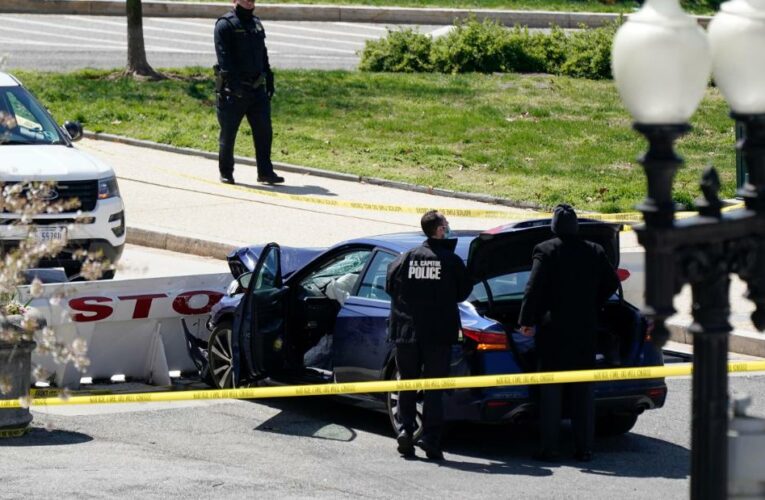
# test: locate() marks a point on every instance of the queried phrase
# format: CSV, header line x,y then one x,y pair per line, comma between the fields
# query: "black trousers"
x,y
256,106
419,360
581,400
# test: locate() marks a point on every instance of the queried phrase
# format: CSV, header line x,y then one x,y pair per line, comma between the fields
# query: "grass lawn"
x,y
533,138
553,5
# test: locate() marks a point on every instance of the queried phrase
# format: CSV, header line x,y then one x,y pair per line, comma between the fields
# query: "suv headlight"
x,y
107,188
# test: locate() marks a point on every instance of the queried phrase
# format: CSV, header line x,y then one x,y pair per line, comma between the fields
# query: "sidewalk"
x,y
175,201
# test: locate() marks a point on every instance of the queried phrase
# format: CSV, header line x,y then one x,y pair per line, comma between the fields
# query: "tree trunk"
x,y
137,65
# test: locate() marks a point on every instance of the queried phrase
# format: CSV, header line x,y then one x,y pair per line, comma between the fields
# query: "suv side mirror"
x,y
74,129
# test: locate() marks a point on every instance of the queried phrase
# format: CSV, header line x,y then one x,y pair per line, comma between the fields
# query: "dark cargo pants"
x,y
415,361
581,400
255,105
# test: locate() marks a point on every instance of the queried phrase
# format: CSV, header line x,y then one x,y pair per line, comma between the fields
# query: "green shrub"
x,y
404,51
489,47
551,48
471,47
523,52
589,53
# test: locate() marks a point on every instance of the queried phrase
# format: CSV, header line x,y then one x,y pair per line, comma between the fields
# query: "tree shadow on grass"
x,y
37,436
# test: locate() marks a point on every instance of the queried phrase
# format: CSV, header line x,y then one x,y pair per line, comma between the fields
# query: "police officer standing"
x,y
244,87
425,285
570,280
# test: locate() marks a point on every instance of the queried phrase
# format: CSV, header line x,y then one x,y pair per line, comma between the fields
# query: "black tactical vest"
x,y
246,44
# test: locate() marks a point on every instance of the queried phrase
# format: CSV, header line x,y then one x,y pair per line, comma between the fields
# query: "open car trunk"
x,y
501,259
508,249
620,333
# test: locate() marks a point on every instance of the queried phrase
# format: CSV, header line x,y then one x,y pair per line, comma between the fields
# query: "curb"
x,y
298,169
739,341
321,13
166,240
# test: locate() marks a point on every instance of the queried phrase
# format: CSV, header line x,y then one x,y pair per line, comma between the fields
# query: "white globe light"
x,y
661,63
737,39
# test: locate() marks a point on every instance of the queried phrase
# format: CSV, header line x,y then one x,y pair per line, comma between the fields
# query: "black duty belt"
x,y
254,82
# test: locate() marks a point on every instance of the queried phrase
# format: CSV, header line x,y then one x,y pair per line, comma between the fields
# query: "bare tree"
x,y
137,65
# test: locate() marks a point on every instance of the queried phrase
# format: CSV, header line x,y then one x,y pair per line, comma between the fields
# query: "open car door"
x,y
259,322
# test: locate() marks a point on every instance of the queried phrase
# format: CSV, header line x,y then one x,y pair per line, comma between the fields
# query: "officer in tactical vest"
x,y
244,85
425,285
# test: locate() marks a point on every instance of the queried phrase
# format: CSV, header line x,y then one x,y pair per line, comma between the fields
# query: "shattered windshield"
x,y
24,121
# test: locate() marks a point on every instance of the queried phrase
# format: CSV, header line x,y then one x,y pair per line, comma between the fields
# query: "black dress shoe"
x,y
271,179
583,456
432,451
405,446
227,178
546,456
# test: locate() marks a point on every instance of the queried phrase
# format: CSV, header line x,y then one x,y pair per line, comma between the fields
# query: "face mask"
x,y
448,232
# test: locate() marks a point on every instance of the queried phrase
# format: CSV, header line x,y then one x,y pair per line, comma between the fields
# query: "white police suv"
x,y
33,148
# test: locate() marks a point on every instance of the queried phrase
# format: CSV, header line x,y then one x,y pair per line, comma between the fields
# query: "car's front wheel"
x,y
615,424
392,400
220,355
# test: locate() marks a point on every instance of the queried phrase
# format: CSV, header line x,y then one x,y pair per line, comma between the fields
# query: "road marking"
x,y
438,33
317,30
210,36
154,28
365,26
146,36
209,26
77,47
114,44
313,47
70,37
270,38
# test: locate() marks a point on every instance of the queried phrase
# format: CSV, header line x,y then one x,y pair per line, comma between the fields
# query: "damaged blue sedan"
x,y
319,316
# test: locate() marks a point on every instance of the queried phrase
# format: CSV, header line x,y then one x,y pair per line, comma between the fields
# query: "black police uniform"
x,y
247,88
425,285
570,280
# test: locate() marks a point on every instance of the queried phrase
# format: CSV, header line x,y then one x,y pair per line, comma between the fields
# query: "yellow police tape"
x,y
624,218
646,372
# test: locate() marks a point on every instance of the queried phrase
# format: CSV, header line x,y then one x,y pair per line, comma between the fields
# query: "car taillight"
x,y
486,341
623,274
648,330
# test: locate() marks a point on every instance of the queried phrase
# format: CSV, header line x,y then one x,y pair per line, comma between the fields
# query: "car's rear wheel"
x,y
220,356
615,424
392,400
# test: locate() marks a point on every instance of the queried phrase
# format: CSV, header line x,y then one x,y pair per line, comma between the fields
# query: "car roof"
x,y
7,80
401,242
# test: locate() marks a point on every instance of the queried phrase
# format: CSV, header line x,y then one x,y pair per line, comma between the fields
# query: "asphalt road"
x,y
317,448
65,43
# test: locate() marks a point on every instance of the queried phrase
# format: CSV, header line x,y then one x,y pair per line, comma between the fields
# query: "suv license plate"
x,y
50,233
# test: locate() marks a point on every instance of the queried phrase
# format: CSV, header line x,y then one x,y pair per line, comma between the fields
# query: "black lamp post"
x,y
661,65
